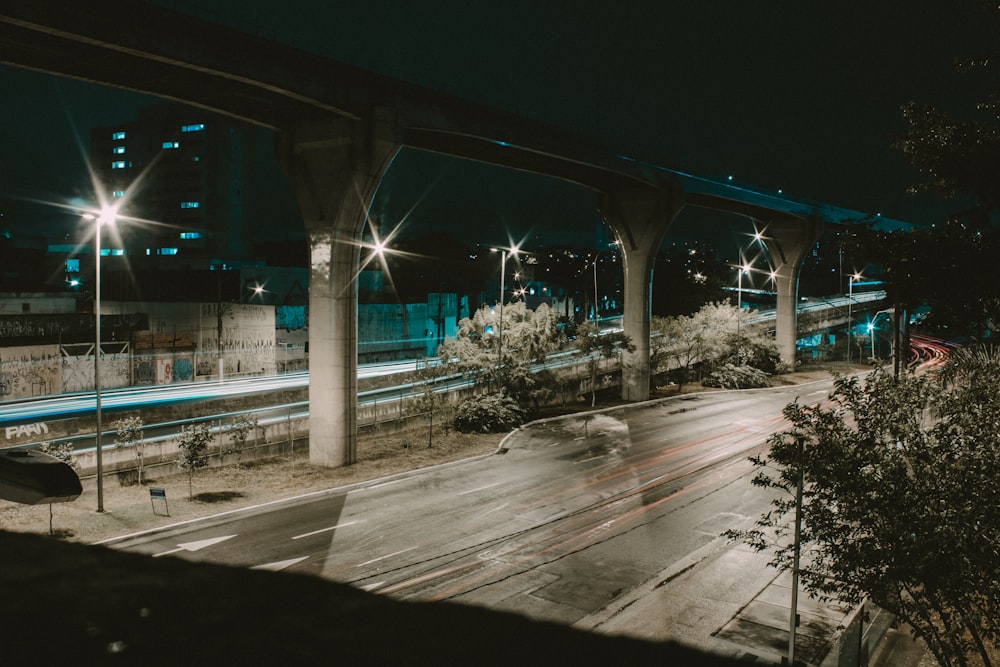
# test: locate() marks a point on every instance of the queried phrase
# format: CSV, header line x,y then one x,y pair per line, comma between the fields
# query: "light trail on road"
x,y
577,512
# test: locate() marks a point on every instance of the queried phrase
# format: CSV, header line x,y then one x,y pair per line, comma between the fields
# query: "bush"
x,y
737,377
488,413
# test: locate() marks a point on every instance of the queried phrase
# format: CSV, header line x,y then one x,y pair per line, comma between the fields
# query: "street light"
x,y
106,216
739,297
513,250
597,257
871,327
850,316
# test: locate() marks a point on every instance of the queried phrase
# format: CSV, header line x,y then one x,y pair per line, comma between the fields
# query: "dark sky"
x,y
791,94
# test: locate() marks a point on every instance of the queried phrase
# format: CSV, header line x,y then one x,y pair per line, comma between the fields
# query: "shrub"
x,y
488,413
737,377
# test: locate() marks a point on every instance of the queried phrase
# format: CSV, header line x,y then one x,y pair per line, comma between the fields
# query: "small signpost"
x,y
155,494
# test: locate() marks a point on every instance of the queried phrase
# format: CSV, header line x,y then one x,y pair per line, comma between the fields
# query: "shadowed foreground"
x,y
92,605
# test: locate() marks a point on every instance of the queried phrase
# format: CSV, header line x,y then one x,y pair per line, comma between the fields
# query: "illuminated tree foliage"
x,y
711,340
597,346
128,433
900,501
193,448
528,336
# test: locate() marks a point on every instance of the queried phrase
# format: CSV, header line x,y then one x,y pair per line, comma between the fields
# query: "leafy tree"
x,y
528,336
193,445
129,434
63,452
609,345
239,432
709,339
899,500
948,268
957,156
430,399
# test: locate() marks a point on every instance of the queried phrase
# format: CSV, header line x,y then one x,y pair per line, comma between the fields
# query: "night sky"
x,y
802,96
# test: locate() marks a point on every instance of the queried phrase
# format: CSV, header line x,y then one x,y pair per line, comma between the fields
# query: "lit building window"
x,y
118,150
118,194
72,266
190,204
112,252
190,235
118,164
118,135
166,251
171,144
194,127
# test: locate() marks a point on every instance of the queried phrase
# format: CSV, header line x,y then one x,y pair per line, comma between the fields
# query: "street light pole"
x,y
596,257
105,216
850,314
871,327
745,268
503,274
97,362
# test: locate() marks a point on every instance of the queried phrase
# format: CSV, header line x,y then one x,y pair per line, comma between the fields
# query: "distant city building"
x,y
194,187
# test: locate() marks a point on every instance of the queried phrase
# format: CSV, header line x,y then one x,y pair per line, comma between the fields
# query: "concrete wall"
x,y
37,303
30,370
248,338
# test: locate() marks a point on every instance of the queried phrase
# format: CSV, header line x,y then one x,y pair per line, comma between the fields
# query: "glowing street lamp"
x,y
106,216
739,297
850,316
513,250
871,327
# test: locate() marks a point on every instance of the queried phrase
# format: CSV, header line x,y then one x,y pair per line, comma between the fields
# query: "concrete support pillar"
x,y
335,166
640,218
789,240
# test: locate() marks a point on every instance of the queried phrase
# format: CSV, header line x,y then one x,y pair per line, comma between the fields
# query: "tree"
x,y
899,500
239,432
430,399
697,345
63,452
608,345
528,336
129,434
956,156
193,445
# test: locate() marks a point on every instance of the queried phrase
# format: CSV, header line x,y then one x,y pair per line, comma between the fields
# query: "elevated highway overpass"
x,y
338,129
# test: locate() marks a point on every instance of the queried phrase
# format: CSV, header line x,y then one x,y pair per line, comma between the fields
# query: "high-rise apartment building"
x,y
196,189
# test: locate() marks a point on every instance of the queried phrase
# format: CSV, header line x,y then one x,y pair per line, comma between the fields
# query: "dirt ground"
x,y
129,509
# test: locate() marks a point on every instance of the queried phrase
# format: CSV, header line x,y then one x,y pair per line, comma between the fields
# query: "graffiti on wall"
x,y
31,370
37,430
78,366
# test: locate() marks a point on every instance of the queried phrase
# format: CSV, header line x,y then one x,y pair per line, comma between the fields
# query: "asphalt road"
x,y
575,514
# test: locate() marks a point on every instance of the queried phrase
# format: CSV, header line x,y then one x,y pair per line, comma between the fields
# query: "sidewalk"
x,y
724,599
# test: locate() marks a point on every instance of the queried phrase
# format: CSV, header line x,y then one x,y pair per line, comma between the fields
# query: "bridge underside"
x,y
338,128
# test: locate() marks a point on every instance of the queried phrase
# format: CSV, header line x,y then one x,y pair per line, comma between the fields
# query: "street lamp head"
x,y
108,214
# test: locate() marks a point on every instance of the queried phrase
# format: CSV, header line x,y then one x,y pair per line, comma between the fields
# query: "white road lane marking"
x,y
325,530
481,488
195,546
279,565
375,560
